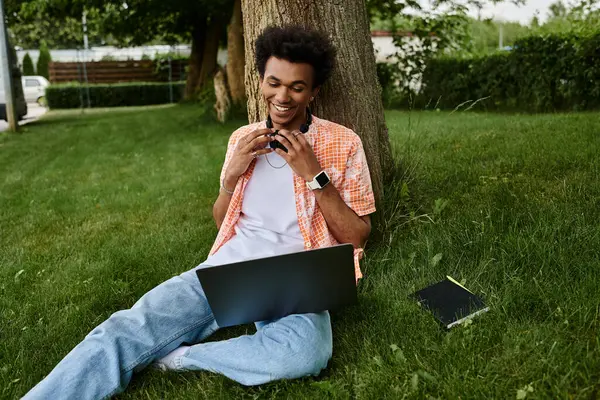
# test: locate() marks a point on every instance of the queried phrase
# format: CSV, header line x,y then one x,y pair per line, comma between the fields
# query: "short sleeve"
x,y
357,190
231,145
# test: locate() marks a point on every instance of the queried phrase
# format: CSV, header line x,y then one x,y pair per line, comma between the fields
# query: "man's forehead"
x,y
287,71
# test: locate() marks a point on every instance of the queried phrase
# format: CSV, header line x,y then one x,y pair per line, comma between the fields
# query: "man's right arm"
x,y
222,204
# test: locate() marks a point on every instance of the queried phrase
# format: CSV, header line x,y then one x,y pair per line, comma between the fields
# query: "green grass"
x,y
97,209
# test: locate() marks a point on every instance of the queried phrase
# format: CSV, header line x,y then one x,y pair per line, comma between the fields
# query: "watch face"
x,y
322,179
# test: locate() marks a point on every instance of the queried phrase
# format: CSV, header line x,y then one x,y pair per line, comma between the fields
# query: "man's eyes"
x,y
295,89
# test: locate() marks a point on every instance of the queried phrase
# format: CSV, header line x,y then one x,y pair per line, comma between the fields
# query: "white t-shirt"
x,y
268,225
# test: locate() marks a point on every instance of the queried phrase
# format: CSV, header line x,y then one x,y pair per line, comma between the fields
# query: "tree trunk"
x,y
203,58
223,101
195,64
352,96
211,50
235,56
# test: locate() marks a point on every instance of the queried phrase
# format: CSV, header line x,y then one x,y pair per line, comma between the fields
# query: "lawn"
x,y
97,209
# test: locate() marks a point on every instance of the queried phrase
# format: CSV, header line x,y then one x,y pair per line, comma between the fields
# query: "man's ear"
x,y
315,91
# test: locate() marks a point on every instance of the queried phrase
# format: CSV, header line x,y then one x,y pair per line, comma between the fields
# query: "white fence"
x,y
120,54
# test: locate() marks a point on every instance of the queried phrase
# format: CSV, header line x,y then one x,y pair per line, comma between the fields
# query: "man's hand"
x,y
300,155
248,148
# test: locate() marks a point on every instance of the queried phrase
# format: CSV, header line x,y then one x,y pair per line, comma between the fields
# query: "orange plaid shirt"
x,y
340,152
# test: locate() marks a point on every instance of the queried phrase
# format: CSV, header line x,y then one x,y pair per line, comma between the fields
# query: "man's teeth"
x,y
279,108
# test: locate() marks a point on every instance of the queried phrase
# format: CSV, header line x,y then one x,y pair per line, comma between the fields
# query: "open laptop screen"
x,y
270,288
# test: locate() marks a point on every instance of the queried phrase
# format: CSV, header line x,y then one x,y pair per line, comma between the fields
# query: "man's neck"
x,y
293,125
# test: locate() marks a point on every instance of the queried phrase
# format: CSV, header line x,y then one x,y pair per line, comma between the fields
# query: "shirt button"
x,y
307,244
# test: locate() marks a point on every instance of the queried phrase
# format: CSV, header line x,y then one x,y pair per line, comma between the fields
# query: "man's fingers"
x,y
287,139
301,139
263,151
256,139
257,133
283,154
260,142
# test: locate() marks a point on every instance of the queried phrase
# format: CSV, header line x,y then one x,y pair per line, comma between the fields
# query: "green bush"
x,y
72,95
43,60
28,65
558,72
389,92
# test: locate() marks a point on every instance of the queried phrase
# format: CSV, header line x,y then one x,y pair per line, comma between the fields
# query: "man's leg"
x,y
291,347
174,312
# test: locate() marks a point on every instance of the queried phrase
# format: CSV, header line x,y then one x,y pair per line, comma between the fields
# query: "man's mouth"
x,y
281,108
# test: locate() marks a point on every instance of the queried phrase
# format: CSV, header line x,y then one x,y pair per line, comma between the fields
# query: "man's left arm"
x,y
343,222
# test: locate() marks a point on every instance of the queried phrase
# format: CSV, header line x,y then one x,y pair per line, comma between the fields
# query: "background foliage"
x,y
446,58
117,95
43,61
28,68
543,73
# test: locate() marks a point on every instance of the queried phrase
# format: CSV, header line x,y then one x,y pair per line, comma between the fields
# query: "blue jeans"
x,y
175,312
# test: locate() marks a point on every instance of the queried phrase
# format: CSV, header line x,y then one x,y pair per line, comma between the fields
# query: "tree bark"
x,y
203,57
195,63
235,56
352,97
223,101
211,50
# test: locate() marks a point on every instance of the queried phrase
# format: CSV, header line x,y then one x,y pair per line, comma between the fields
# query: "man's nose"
x,y
282,95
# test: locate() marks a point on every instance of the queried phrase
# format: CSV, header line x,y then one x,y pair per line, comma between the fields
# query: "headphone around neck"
x,y
303,128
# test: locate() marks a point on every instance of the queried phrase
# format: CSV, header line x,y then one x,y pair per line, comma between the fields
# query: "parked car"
x,y
34,88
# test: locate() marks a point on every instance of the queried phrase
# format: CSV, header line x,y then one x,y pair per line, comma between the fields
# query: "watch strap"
x,y
313,185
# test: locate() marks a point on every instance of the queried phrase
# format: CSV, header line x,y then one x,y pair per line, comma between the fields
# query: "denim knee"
x,y
300,353
311,360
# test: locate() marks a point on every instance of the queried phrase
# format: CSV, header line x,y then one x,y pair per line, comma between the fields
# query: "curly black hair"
x,y
296,44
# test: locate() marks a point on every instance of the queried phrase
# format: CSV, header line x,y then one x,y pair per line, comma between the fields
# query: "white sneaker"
x,y
168,362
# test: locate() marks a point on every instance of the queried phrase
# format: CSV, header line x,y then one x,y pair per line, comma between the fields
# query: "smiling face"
x,y
287,88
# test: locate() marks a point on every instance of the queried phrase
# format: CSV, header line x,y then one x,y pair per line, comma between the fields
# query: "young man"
x,y
314,193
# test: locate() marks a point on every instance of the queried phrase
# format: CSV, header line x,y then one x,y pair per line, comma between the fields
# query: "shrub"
x,y
115,95
385,76
558,72
28,65
43,60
